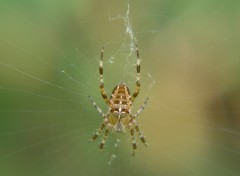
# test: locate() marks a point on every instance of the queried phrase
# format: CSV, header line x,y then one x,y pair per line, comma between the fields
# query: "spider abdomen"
x,y
120,101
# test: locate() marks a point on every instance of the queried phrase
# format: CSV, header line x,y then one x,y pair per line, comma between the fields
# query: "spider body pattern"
x,y
119,117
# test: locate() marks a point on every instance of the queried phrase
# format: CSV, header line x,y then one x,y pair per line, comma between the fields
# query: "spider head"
x,y
119,121
119,126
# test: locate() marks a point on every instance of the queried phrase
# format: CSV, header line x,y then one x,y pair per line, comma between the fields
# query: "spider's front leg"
x,y
134,127
105,136
98,132
142,138
134,143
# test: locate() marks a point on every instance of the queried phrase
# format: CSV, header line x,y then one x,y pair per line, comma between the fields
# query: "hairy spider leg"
x,y
140,109
104,139
102,90
134,143
142,138
137,88
98,132
97,108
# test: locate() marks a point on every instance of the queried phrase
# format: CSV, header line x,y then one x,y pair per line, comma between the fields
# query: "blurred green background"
x,y
49,55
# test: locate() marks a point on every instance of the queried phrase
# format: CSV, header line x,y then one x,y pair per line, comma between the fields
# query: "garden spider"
x,y
119,116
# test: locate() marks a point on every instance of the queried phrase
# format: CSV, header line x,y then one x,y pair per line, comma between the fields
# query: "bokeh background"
x,y
49,55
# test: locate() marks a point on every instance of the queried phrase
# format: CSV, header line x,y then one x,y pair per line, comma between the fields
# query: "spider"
x,y
119,116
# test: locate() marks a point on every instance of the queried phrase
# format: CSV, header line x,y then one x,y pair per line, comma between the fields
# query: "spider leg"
x,y
98,132
104,139
134,143
141,135
136,92
102,90
140,109
98,108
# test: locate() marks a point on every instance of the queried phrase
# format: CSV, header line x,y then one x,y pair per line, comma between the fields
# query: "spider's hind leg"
x,y
102,89
137,88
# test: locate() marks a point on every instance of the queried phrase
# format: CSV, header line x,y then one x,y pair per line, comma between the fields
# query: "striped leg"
x,y
102,90
104,139
138,76
140,109
141,135
98,132
98,109
134,143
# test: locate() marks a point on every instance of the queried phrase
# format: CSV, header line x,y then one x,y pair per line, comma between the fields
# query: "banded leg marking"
x,y
98,132
142,138
102,90
134,143
104,139
137,89
141,108
97,108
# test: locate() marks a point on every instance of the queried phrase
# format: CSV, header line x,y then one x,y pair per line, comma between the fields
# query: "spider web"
x,y
189,70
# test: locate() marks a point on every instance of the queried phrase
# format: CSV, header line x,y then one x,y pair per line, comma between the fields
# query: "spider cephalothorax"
x,y
119,116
